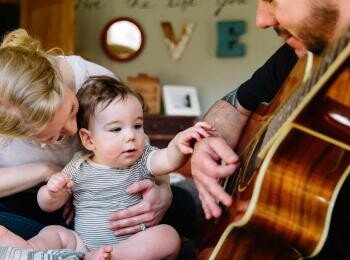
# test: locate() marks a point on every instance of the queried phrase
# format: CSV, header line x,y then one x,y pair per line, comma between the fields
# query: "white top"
x,y
17,151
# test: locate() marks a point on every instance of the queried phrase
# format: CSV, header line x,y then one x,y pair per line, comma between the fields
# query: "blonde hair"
x,y
30,85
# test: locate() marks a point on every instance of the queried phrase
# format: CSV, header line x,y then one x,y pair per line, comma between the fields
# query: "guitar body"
x,y
290,188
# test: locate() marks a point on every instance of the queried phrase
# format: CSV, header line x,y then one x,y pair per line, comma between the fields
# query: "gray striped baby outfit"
x,y
99,191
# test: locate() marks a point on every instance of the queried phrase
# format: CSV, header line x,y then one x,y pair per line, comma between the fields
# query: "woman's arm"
x,y
19,178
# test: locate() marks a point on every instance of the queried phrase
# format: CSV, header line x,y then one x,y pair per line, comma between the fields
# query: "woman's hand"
x,y
156,200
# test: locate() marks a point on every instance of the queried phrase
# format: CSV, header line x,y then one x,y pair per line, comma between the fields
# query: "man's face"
x,y
303,25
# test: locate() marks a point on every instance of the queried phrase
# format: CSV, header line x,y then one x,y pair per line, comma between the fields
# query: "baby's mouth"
x,y
130,150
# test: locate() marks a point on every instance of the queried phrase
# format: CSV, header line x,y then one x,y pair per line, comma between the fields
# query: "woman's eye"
x,y
73,109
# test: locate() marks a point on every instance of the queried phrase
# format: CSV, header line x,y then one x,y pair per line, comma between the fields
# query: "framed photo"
x,y
181,100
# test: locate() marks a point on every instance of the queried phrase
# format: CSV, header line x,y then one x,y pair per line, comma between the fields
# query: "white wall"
x,y
199,66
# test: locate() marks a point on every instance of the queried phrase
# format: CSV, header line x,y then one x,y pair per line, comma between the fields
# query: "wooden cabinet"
x,y
161,129
52,22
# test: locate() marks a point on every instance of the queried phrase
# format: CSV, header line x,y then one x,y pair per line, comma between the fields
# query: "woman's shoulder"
x,y
83,69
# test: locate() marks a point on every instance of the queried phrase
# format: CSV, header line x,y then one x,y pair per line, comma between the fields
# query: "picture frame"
x,y
181,100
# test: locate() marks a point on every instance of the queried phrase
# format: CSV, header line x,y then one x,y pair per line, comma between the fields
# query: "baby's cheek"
x,y
111,150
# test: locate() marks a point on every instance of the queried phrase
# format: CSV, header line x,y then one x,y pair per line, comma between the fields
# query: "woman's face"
x,y
64,122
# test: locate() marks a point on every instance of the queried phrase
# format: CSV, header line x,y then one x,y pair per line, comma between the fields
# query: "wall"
x,y
199,66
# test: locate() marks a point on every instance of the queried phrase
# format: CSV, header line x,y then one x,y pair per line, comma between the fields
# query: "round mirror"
x,y
122,39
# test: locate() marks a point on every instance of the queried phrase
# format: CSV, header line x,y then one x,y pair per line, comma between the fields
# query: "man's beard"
x,y
319,28
316,30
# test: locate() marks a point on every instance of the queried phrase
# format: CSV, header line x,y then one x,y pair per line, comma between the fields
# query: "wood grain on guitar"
x,y
295,156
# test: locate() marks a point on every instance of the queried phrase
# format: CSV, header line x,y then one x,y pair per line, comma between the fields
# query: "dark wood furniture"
x,y
161,129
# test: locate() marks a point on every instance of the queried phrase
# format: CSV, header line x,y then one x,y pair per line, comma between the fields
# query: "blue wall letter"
x,y
228,32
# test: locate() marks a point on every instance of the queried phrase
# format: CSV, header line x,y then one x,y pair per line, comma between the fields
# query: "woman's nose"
x,y
70,128
265,16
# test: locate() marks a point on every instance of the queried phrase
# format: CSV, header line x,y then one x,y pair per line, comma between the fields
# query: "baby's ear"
x,y
86,139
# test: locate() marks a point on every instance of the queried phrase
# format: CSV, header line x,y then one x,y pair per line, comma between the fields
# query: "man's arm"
x,y
228,117
214,157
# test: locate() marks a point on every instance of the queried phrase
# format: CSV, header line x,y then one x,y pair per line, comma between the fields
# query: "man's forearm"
x,y
228,120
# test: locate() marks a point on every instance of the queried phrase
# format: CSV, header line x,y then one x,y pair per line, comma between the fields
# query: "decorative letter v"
x,y
177,46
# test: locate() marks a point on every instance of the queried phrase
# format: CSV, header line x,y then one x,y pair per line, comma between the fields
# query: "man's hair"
x,y
101,90
31,89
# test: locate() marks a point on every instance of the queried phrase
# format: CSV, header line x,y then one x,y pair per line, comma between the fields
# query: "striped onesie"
x,y
99,191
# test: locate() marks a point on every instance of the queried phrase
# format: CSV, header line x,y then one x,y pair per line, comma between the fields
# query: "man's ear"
x,y
86,139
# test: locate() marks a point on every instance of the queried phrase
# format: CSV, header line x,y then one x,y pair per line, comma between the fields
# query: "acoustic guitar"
x,y
295,156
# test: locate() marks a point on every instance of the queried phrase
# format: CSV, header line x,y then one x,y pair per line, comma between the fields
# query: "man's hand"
x,y
212,159
156,200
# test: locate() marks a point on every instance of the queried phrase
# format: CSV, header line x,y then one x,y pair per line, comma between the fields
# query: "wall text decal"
x,y
221,4
89,4
183,5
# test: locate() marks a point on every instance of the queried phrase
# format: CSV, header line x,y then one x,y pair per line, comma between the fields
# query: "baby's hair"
x,y
30,85
99,90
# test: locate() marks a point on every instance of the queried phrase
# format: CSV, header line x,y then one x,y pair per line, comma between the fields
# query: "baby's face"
x,y
117,133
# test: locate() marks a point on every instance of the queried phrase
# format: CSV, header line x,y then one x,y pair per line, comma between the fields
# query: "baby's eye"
x,y
138,126
117,129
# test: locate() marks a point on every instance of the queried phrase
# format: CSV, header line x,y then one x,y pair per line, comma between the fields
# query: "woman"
x,y
38,110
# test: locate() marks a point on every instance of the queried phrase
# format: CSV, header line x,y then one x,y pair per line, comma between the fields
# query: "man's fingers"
x,y
211,209
216,191
223,151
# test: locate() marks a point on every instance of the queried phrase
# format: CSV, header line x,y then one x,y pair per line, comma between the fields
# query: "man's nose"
x,y
70,128
265,15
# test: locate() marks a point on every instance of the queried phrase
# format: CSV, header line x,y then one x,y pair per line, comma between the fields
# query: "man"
x,y
303,25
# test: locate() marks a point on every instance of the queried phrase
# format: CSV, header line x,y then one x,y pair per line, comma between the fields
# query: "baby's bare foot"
x,y
7,238
102,253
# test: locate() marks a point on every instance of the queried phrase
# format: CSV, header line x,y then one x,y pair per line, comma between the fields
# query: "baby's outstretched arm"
x,y
176,154
55,193
186,139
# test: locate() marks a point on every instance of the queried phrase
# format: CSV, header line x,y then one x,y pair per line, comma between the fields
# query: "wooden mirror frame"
x,y
106,48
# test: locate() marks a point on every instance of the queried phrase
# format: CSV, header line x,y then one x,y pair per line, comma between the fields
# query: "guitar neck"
x,y
331,60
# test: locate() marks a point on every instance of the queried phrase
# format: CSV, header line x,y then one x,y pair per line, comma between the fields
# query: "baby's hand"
x,y
59,182
186,138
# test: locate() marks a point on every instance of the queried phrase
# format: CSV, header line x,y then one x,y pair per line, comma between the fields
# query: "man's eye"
x,y
117,129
